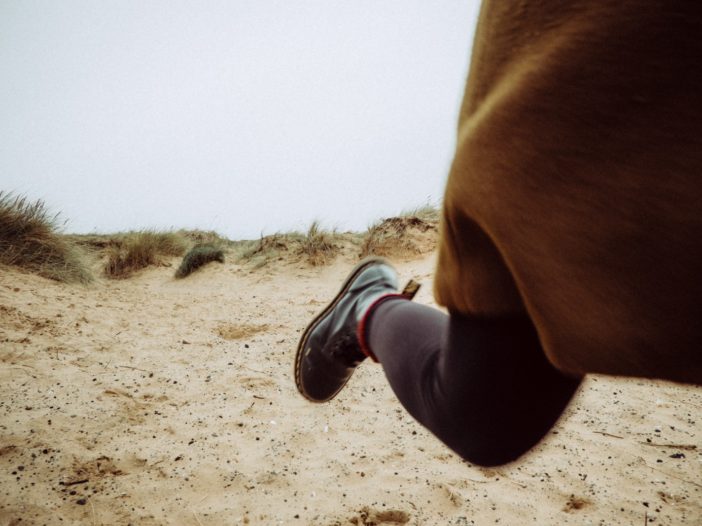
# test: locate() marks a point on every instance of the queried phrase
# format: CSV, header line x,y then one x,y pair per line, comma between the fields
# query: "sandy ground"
x,y
155,401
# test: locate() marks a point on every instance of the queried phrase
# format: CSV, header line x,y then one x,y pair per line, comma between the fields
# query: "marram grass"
x,y
30,239
197,257
138,250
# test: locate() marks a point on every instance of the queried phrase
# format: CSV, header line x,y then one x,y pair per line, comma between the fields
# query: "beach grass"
x,y
197,257
319,246
133,251
31,239
316,247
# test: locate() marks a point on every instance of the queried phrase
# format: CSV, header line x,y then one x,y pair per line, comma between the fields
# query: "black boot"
x,y
333,344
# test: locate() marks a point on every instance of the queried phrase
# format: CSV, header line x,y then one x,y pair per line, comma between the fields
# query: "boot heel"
x,y
411,289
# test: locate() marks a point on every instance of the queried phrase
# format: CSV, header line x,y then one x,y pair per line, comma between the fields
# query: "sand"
x,y
154,401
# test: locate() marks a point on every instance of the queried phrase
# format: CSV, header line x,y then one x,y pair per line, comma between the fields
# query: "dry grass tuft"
x,y
318,245
95,242
198,256
267,249
412,233
427,213
30,239
137,250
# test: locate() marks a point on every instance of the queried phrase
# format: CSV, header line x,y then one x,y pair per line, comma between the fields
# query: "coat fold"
x,y
575,195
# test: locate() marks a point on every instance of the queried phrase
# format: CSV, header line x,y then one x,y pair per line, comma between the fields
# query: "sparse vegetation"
x,y
204,237
427,213
30,238
413,232
198,256
137,250
318,245
266,249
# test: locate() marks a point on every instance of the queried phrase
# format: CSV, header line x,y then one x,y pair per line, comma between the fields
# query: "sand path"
x,y
154,401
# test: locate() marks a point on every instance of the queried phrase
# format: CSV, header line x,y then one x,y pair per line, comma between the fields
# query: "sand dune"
x,y
155,401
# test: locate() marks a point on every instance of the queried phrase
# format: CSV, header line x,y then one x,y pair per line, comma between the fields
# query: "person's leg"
x,y
484,387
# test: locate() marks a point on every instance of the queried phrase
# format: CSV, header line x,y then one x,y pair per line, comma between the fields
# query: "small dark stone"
x,y
677,455
81,502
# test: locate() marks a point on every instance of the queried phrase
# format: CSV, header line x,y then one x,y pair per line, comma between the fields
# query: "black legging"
x,y
484,387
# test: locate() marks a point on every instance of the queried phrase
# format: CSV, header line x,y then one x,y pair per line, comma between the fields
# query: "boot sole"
x,y
360,267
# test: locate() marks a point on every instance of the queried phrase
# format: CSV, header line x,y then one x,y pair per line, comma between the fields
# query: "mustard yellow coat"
x,y
575,193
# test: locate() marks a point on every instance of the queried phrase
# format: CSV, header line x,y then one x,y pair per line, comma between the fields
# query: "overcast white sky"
x,y
246,117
